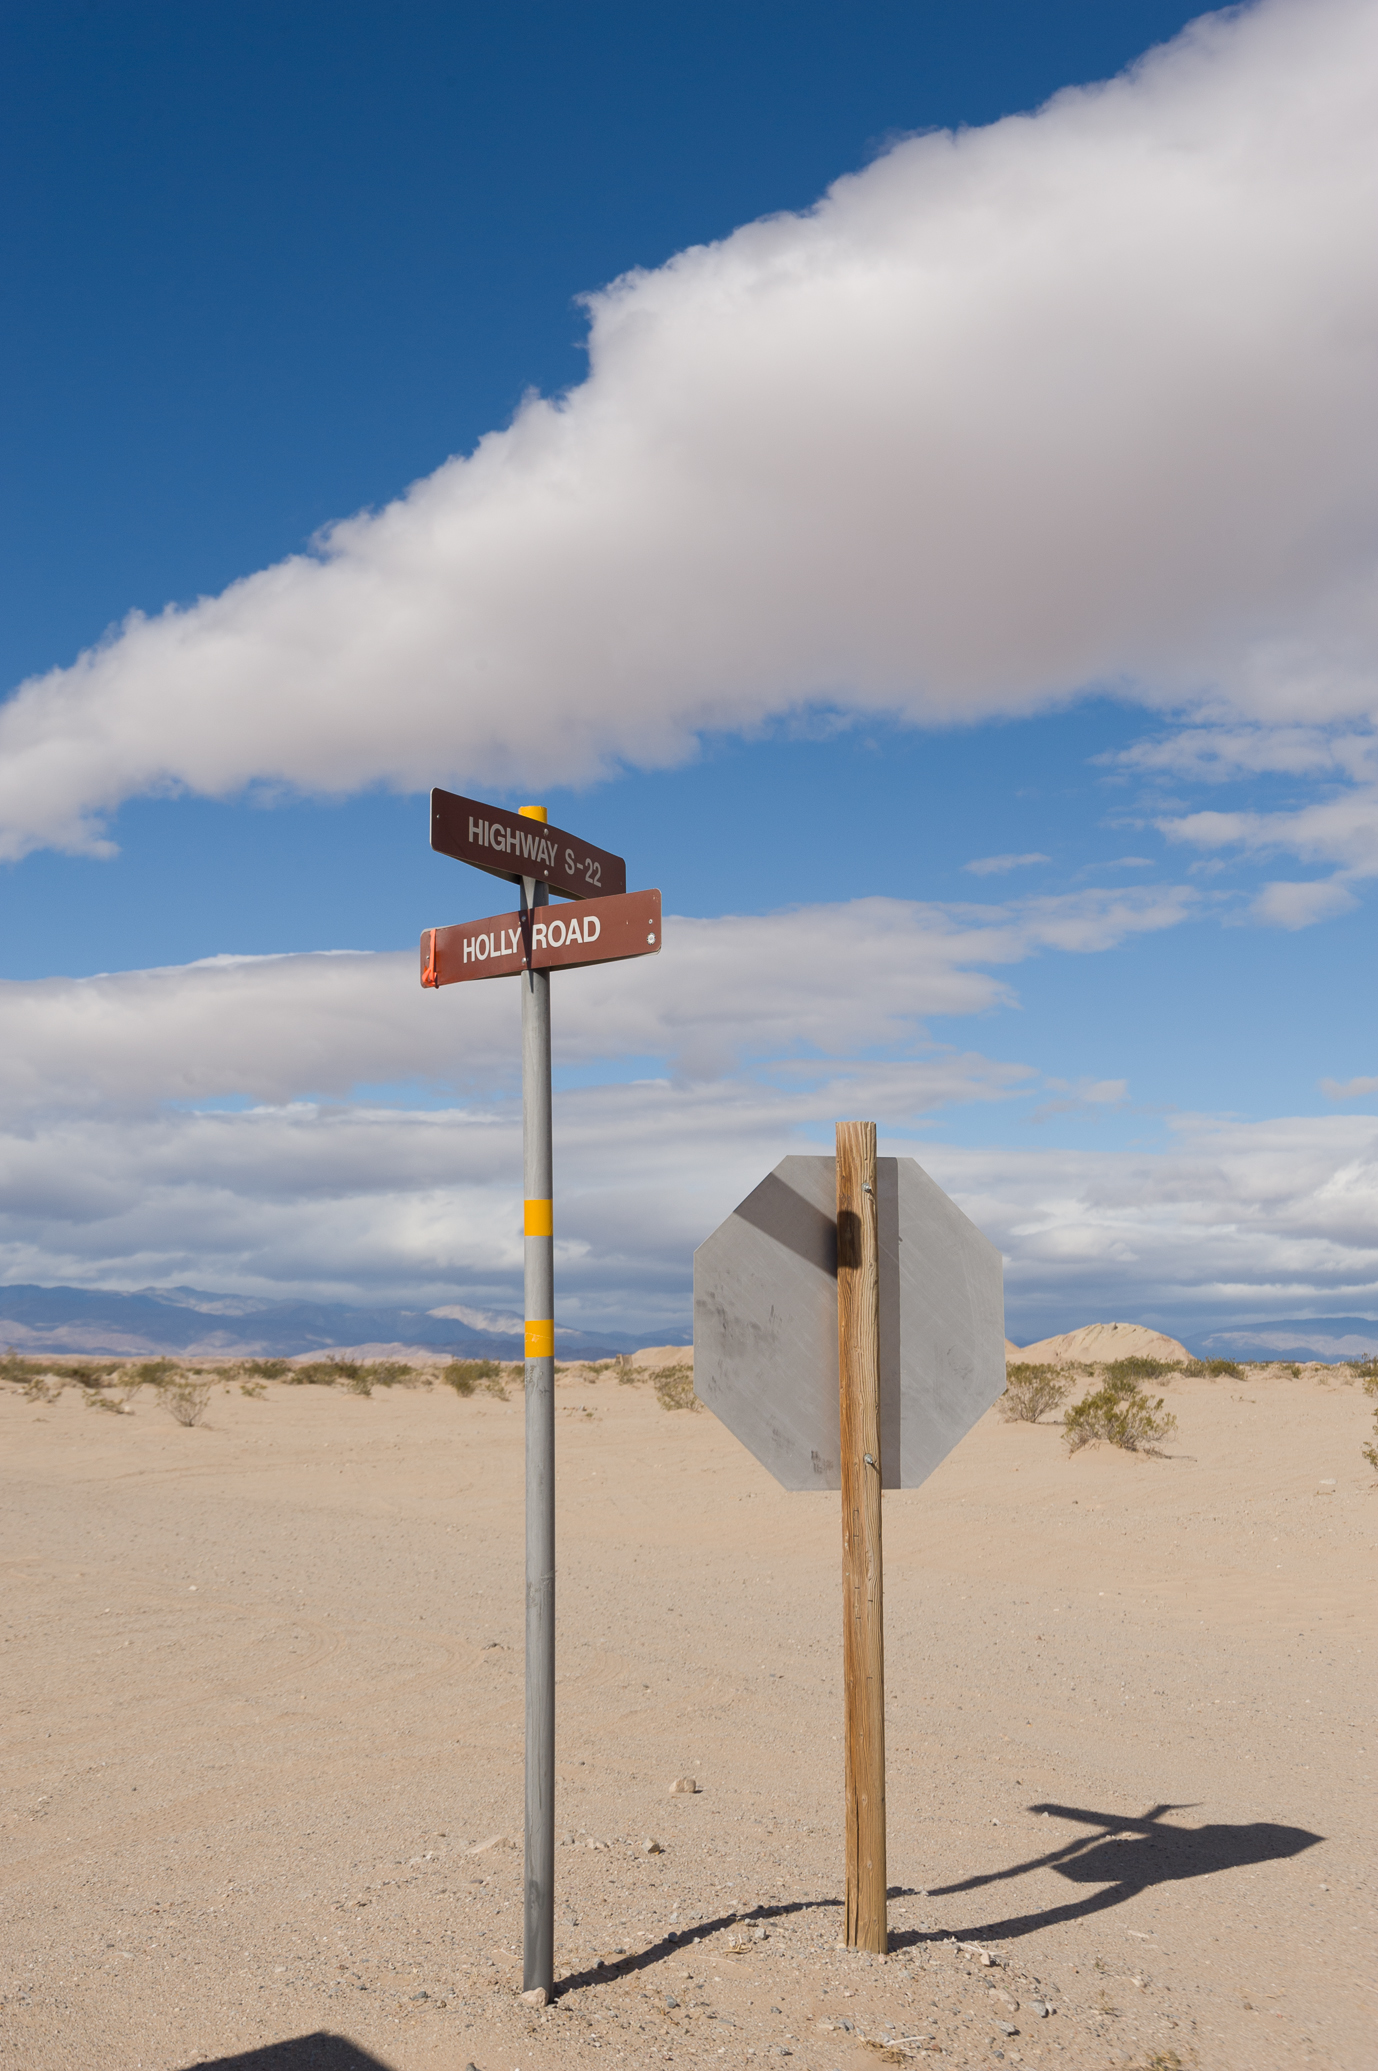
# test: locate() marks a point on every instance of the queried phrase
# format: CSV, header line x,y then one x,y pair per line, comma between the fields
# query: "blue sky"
x,y
1014,510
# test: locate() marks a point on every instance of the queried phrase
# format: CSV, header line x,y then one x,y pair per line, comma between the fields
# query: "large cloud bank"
x,y
679,1088
1081,399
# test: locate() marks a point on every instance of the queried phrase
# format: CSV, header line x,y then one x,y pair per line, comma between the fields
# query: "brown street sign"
x,y
596,931
492,839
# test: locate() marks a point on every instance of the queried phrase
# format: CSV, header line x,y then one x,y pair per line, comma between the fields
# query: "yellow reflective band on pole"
x,y
540,1219
533,812
540,1340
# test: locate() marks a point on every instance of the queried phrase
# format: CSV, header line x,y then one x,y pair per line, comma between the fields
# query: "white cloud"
x,y
424,1207
995,866
1284,904
1351,1089
1082,399
108,1179
1233,1220
826,980
1341,829
1220,754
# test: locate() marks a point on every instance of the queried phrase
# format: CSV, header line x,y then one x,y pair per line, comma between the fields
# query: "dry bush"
x,y
264,1369
37,1380
1137,1367
186,1400
1214,1369
393,1373
1030,1391
152,1373
629,1376
1368,1374
674,1386
323,1373
464,1375
256,1390
1121,1414
87,1374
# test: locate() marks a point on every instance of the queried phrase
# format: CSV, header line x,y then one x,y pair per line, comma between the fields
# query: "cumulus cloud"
x,y
423,1207
120,1166
822,980
1081,399
1233,1219
1341,829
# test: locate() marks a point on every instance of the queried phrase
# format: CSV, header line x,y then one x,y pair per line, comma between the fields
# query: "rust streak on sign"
x,y
507,845
596,931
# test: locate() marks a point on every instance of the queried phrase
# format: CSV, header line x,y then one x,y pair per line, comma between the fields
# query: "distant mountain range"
x,y
1296,1337
189,1321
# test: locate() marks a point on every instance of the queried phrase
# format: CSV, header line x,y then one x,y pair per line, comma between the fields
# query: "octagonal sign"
x,y
765,1323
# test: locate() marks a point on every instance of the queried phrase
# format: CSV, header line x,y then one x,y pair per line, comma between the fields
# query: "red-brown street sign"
x,y
596,931
492,839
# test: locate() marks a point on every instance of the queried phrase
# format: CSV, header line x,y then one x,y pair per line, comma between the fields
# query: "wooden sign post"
x,y
863,1610
849,1328
605,924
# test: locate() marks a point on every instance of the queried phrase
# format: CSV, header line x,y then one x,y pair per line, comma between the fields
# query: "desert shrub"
x,y
151,1373
464,1375
674,1386
14,1367
256,1390
35,1377
1214,1369
187,1400
1138,1367
1369,1375
389,1373
628,1374
88,1375
323,1373
1030,1391
1366,1370
264,1369
1121,1414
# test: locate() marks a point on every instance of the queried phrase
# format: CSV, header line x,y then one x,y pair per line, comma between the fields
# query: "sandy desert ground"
x,y
1130,1703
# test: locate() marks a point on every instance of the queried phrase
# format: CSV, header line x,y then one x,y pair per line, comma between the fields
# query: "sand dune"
x,y
1095,1343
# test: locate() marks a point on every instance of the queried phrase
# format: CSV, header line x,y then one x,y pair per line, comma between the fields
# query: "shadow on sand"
x,y
318,2052
1125,1857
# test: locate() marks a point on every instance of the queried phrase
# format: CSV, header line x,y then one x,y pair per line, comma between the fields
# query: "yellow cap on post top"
x,y
532,812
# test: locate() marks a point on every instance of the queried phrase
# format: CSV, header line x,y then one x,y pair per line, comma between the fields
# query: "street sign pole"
x,y
863,1623
604,923
538,1937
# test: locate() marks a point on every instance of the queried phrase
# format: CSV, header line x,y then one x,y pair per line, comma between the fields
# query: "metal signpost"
x,y
849,1329
608,923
